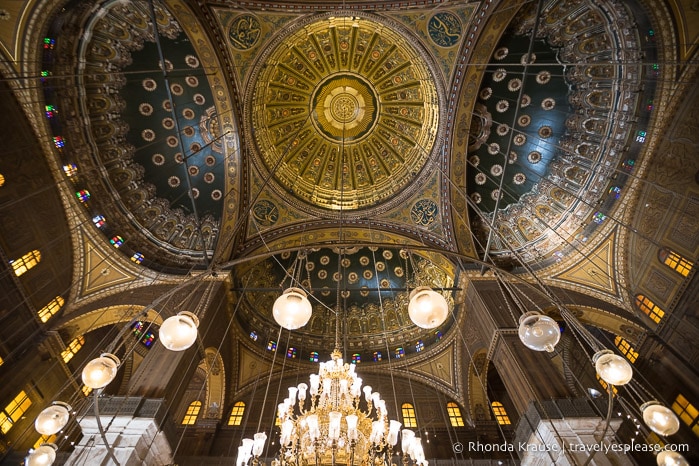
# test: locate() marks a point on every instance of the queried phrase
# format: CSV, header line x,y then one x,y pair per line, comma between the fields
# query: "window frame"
x,y
455,417
192,413
500,413
237,413
409,415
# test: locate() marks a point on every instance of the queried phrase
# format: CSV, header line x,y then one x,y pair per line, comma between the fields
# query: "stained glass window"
x,y
400,352
83,195
117,241
70,169
356,358
313,357
145,336
377,356
137,257
605,385
253,335
272,345
291,353
98,220
419,346
58,142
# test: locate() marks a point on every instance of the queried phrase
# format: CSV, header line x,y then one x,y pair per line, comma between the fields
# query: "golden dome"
x,y
344,112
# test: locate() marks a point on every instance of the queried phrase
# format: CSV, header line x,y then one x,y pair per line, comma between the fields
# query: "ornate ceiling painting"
x,y
371,283
159,137
344,112
536,137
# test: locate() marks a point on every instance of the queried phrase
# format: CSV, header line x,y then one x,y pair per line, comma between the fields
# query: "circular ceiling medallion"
x,y
344,112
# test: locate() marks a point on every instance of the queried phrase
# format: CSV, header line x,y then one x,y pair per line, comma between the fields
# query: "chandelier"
x,y
325,422
331,427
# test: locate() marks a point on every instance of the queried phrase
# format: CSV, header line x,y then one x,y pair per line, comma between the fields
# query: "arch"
x,y
110,315
477,380
212,366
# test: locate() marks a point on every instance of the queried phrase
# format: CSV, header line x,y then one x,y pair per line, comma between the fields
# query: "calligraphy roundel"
x,y
444,29
344,112
424,212
244,32
265,213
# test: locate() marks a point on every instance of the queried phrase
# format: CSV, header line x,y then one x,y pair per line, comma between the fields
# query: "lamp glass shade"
x,y
44,455
427,308
53,418
671,458
612,368
99,372
538,332
179,332
660,419
292,309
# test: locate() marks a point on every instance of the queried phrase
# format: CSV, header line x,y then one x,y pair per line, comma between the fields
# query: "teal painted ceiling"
x,y
518,142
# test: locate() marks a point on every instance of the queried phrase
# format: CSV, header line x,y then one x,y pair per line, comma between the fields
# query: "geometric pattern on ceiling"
x,y
100,272
596,269
344,112
551,161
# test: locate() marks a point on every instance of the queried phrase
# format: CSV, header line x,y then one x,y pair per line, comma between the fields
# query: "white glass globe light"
x,y
292,309
671,458
99,372
427,308
44,455
612,368
539,332
660,419
53,419
179,332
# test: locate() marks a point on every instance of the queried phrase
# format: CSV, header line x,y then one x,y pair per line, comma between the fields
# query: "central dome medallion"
x,y
345,112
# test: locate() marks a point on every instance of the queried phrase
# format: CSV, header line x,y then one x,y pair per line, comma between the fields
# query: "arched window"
x,y
356,358
500,413
313,357
649,308
377,356
455,415
676,262
26,262
237,414
73,347
626,349
272,345
419,346
400,352
409,418
190,417
46,312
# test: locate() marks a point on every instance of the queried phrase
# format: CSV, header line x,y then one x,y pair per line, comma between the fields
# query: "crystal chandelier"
x,y
325,423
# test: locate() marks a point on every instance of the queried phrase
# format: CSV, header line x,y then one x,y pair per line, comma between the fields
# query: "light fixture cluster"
x,y
177,333
325,422
541,333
